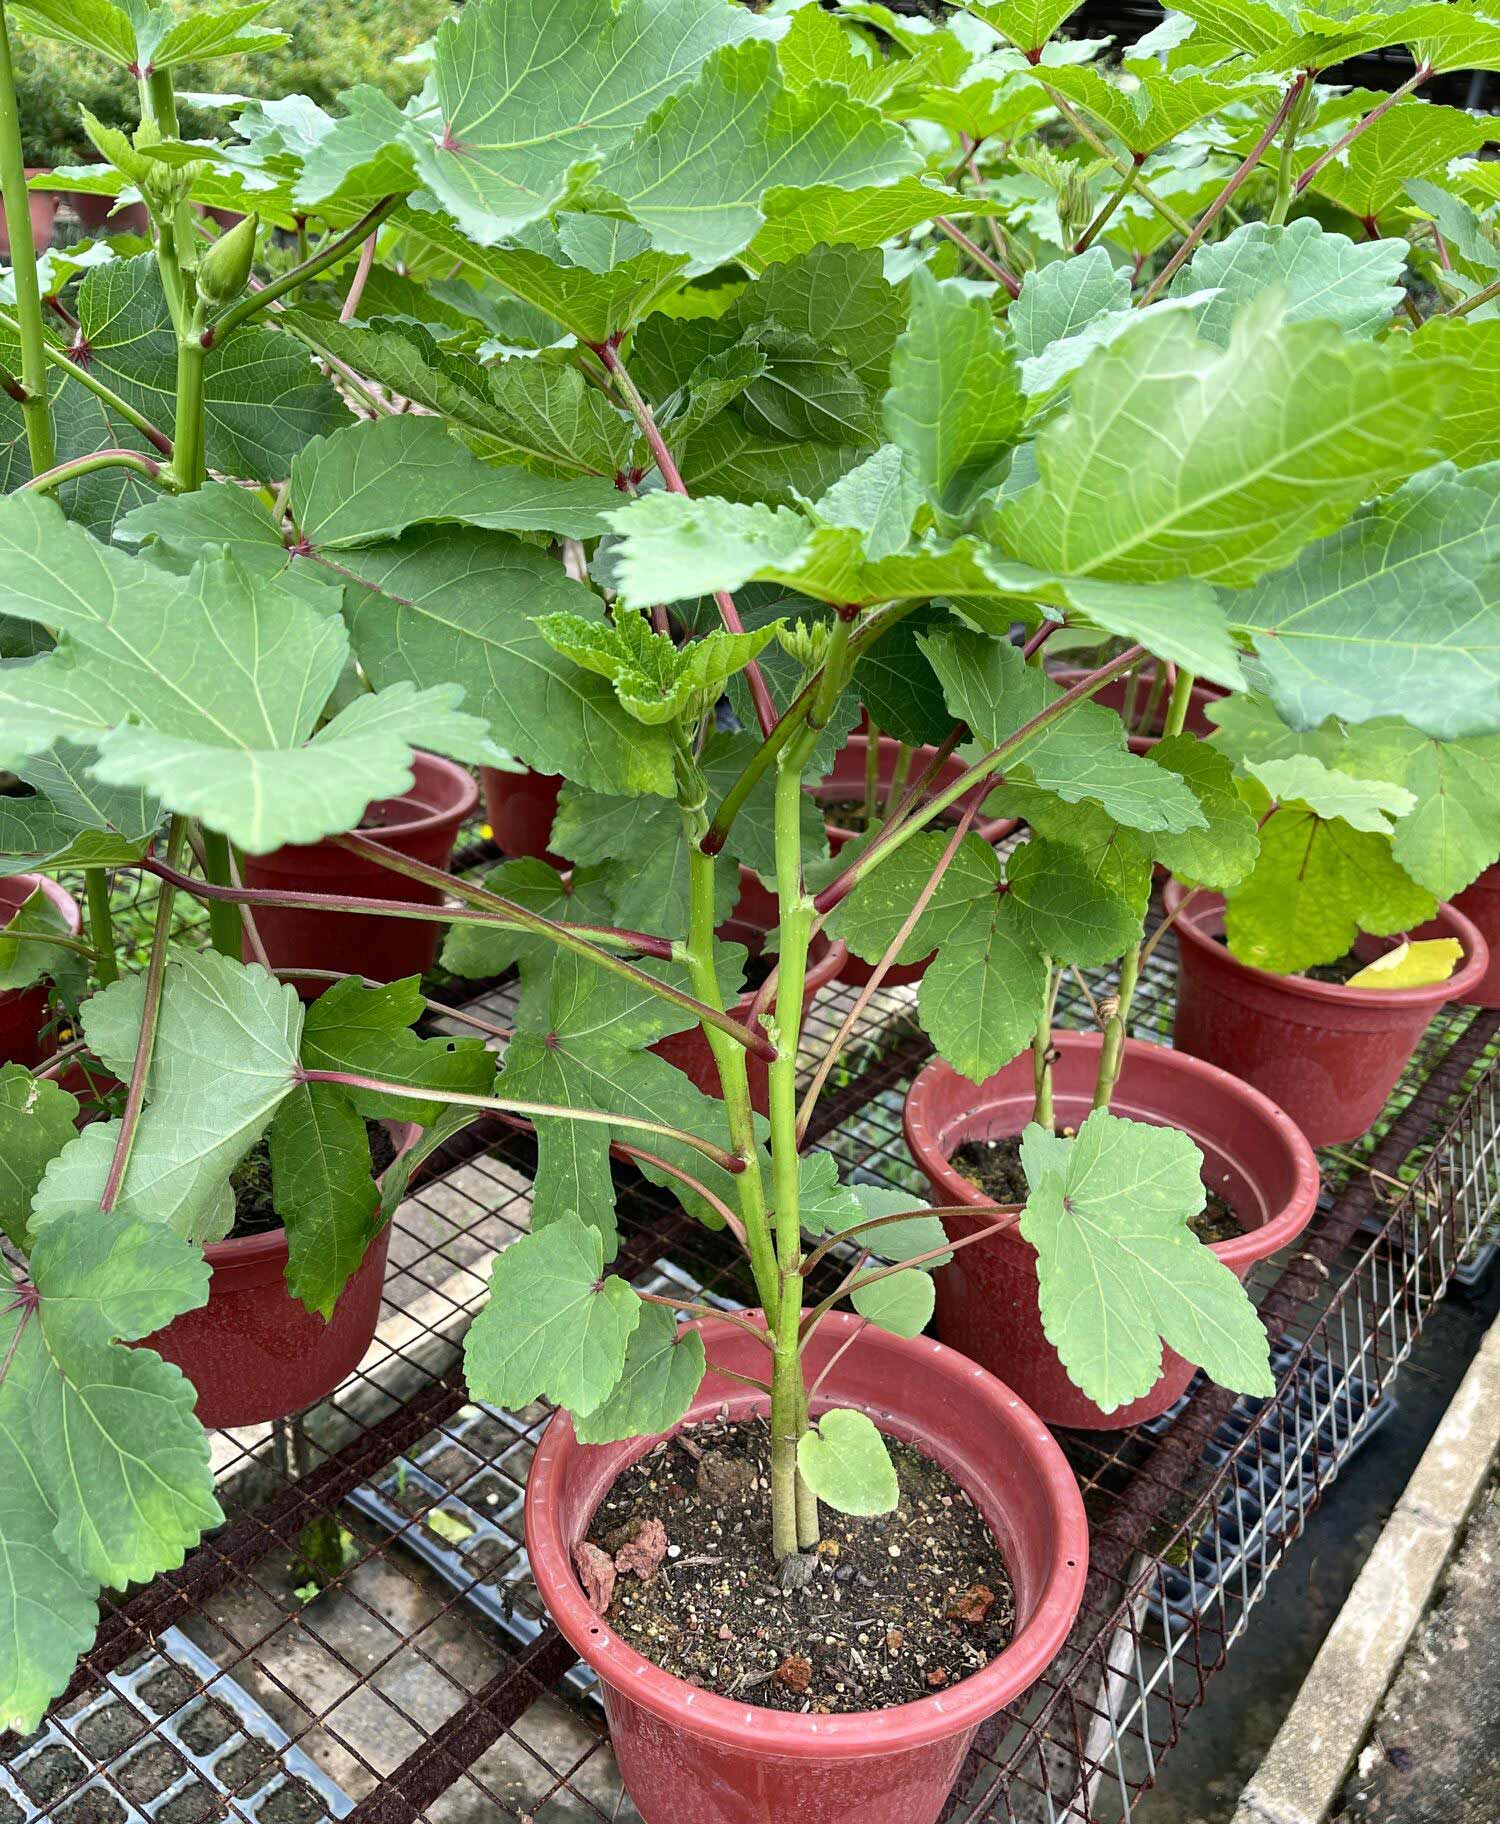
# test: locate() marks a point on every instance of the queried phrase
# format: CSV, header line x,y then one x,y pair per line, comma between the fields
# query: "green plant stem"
x,y
89,465
254,302
872,774
226,927
1112,1051
36,412
1102,219
1153,701
1041,1051
1465,305
351,1079
189,459
1121,163
1177,709
156,968
894,834
1285,187
898,778
156,438
101,925
1216,207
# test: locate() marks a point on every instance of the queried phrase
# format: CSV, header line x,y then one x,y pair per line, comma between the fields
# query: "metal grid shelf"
x,y
398,1645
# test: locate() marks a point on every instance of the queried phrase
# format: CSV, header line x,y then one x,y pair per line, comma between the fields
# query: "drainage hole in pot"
x,y
890,1609
254,1193
994,1167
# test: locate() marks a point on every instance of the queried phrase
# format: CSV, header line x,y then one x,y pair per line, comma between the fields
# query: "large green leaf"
x,y
1068,912
1468,433
1083,755
1027,24
662,1372
1399,613
955,404
1413,139
1180,459
1317,275
36,1123
1121,1272
143,37
1059,300
554,1324
1223,854
695,175
1156,107
104,1472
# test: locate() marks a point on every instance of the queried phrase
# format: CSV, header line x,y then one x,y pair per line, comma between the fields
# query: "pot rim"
x,y
1476,952
1238,1252
466,797
58,894
826,956
859,1734
239,1252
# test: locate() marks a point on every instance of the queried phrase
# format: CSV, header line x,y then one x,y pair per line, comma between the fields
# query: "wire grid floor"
x,y
418,1701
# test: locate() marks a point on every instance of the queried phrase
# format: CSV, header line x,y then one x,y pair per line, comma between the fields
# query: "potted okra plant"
x,y
708,443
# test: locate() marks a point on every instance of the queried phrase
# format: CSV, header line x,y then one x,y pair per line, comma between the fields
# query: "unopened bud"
x,y
224,270
805,641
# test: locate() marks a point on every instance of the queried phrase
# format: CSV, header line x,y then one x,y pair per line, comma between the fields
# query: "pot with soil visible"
x,y
842,795
690,1753
23,1011
753,917
1259,1172
1148,704
1329,1054
422,823
254,1352
520,809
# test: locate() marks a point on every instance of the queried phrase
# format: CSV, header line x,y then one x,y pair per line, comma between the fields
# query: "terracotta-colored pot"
x,y
1329,1055
847,780
94,213
1113,695
754,915
520,809
23,1011
987,1295
1480,903
422,823
254,1352
688,1756
42,207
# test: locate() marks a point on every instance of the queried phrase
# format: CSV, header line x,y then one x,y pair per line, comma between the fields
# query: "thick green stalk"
x,y
1285,174
1112,1052
226,925
1153,702
101,926
1041,1053
1101,220
1182,696
36,413
189,457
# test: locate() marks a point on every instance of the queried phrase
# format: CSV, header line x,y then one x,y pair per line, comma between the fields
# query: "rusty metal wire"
x,y
361,1638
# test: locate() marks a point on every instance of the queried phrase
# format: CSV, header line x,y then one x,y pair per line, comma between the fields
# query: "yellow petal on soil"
x,y
1418,965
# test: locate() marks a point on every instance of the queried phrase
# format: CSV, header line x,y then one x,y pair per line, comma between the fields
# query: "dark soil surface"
x,y
254,1210
994,1166
1338,971
758,971
849,813
892,1609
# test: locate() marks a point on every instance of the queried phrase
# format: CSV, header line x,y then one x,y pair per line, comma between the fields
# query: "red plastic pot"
x,y
94,214
254,1352
422,823
520,809
688,1756
1331,1055
1480,903
23,1011
847,780
987,1295
754,915
1114,693
42,208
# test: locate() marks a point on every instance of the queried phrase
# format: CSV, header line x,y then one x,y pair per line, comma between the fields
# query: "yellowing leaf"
x,y
1411,965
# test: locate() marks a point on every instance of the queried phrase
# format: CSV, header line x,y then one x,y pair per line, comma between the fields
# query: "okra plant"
x,y
661,357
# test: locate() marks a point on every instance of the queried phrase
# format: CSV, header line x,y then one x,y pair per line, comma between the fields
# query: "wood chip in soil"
x,y
892,1609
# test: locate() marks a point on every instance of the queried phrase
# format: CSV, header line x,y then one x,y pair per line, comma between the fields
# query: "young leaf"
x,y
662,1372
1059,300
36,1123
26,957
1120,1270
1364,804
1222,855
902,1302
828,1207
1235,458
555,1326
844,1461
1418,964
1398,613
1317,274
1157,106
1413,139
655,681
954,405
1066,910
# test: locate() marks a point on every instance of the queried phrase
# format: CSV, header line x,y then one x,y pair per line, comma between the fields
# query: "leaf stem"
x,y
1177,708
88,465
36,412
156,969
1121,164
348,1079
1102,219
840,1236
101,925
1418,76
156,438
716,1312
608,354
1465,305
254,302
986,262
1216,207
857,1282
1285,190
